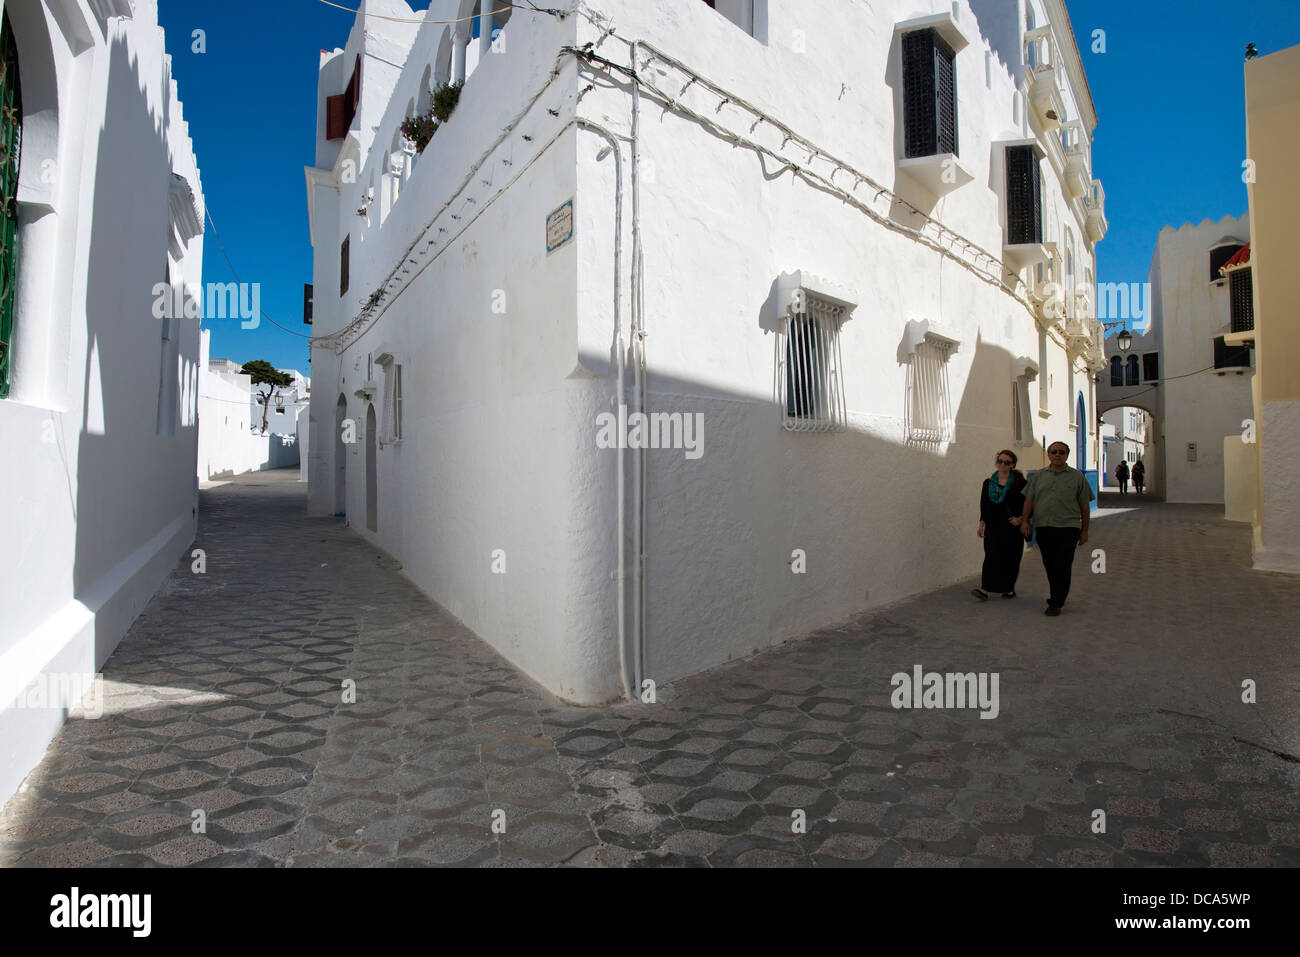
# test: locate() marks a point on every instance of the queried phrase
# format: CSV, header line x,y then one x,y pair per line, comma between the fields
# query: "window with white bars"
x,y
929,403
392,407
810,368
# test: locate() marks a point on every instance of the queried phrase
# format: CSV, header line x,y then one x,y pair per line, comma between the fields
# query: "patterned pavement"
x,y
225,698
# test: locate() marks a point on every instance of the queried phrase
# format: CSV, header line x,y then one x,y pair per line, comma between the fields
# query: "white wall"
x,y
499,448
98,435
1207,407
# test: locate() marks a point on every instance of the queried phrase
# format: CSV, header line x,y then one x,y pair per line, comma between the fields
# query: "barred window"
x,y
1131,371
1242,296
1024,196
1116,371
11,137
810,370
929,404
929,94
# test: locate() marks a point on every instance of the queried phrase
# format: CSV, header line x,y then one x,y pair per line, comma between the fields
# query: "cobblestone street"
x,y
225,698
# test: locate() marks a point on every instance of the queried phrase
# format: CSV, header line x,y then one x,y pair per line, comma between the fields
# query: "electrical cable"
x,y
226,256
531,8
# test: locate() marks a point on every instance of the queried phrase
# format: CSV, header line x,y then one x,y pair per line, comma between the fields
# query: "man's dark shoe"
x,y
1052,610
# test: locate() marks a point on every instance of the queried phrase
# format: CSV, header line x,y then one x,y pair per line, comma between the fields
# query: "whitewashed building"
x,y
1124,439
823,266
1179,369
103,204
231,440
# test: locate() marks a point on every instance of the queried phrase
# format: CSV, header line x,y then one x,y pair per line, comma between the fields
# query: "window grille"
x,y
810,369
395,402
11,138
1116,371
929,404
1242,296
1131,371
1024,196
929,95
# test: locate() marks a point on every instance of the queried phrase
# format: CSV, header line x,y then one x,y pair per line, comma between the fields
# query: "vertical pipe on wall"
x,y
638,344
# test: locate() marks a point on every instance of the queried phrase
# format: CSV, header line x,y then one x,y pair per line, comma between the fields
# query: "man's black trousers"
x,y
1058,546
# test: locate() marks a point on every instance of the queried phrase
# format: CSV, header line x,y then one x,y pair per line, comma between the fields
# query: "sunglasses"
x,y
1005,462
1057,452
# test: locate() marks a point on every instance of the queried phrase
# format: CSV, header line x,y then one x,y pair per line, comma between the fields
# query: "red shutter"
x,y
336,126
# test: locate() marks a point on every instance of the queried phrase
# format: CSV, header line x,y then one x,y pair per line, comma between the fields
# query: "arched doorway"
x,y
340,459
372,472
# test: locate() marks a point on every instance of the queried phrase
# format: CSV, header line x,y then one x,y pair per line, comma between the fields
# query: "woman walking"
x,y
1001,503
1121,475
1139,473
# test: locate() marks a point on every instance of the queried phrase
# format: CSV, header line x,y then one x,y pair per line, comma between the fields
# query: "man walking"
x,y
1057,499
1139,475
1121,475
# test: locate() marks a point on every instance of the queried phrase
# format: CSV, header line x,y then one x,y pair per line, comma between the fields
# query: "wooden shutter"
x,y
1024,196
307,303
343,265
336,126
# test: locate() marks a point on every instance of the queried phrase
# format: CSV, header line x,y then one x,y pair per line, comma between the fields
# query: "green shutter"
x,y
11,137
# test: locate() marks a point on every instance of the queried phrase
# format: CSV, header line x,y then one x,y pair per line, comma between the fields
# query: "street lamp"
x,y
1124,340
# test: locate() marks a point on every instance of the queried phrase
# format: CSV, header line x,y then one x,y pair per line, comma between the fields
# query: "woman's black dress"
x,y
1004,545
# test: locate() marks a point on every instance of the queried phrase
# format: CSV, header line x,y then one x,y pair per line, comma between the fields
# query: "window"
x,y
306,303
1230,357
1131,371
929,95
1116,371
341,110
1219,256
1024,196
11,138
1151,366
1242,297
810,373
343,265
930,406
392,401
739,12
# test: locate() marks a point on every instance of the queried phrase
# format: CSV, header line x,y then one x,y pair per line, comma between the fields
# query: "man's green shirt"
x,y
1058,496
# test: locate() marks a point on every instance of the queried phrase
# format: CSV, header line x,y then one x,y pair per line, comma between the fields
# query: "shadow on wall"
x,y
132,482
878,520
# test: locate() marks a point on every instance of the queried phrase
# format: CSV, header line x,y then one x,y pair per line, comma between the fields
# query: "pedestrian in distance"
x,y
1056,501
1001,504
1139,475
1121,476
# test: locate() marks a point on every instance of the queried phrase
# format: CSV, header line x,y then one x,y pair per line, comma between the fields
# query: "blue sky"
x,y
1169,146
